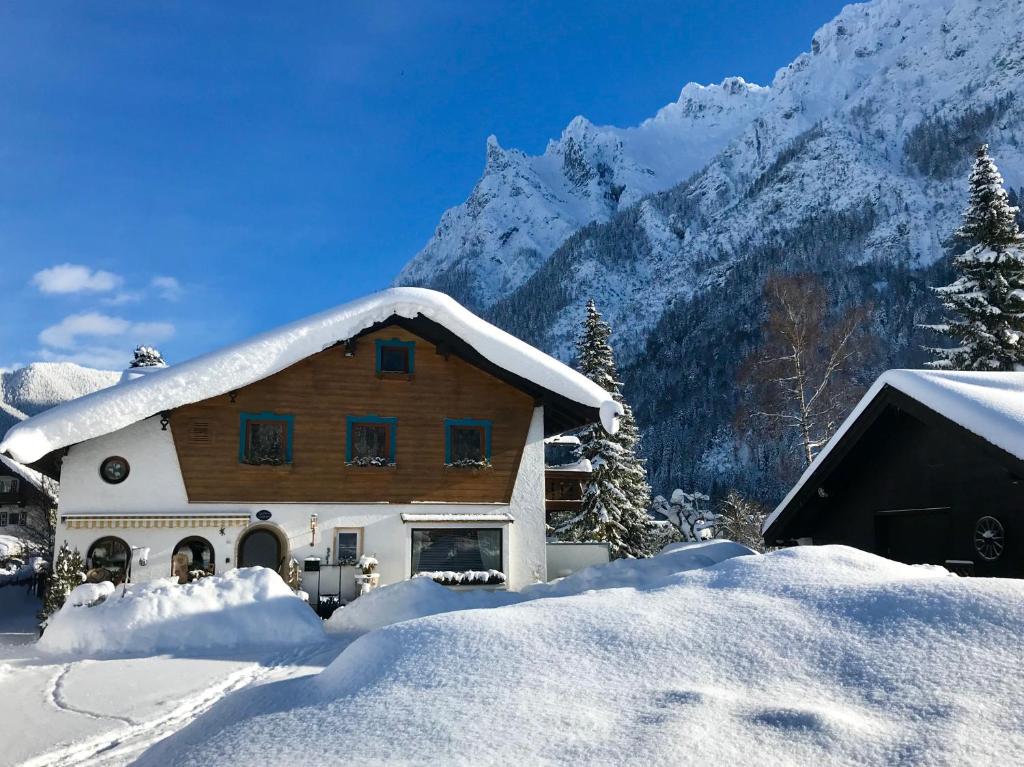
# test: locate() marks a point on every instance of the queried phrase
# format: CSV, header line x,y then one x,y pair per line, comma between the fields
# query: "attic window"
x,y
8,485
396,357
199,432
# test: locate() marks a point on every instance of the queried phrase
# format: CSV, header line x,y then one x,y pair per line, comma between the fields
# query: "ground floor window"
x,y
349,547
198,553
13,518
456,549
108,559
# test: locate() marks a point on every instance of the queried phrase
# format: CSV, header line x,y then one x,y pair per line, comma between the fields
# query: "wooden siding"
x,y
320,392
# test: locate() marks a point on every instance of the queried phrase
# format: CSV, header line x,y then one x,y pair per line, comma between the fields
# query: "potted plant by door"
x,y
367,578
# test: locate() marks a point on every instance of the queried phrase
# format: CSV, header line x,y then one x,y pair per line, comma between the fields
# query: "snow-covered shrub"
x,y
245,607
367,563
683,517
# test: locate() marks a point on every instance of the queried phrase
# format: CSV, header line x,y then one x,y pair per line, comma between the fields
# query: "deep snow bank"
x,y
250,606
814,655
420,597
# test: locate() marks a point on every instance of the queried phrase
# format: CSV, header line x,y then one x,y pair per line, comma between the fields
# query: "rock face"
x,y
524,207
852,164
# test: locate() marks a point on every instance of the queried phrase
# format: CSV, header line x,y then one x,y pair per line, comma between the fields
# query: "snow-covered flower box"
x,y
469,463
465,577
376,460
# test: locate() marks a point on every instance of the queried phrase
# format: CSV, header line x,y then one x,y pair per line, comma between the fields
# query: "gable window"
x,y
265,439
395,357
370,440
8,485
114,470
467,442
349,547
456,550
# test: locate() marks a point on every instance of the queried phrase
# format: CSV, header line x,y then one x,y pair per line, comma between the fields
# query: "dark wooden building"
x,y
927,469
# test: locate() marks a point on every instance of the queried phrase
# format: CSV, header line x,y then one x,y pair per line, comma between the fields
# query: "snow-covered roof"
x,y
31,476
990,405
263,355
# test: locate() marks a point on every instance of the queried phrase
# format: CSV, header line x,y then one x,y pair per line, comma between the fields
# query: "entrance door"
x,y
260,547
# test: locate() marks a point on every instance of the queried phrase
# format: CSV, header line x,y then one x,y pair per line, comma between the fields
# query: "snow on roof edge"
x,y
265,354
31,476
990,405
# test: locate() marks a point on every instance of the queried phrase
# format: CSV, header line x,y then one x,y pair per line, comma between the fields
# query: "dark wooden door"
x,y
260,548
914,536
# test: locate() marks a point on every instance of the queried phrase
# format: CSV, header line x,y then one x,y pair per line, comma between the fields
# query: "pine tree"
x,y
147,357
740,519
987,297
615,497
68,572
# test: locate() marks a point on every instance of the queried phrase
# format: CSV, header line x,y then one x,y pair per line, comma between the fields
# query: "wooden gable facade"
x,y
319,396
911,485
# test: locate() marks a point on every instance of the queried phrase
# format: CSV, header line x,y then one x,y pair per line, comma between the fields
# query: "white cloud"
x,y
169,287
124,297
66,333
101,357
75,278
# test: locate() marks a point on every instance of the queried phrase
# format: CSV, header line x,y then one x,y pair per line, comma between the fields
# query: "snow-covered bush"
x,y
683,517
246,607
367,563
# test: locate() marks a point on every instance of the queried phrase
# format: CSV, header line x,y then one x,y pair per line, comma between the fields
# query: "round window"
x,y
989,538
114,469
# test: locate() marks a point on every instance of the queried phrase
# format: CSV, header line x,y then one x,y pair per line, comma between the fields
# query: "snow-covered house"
x,y
399,425
928,468
25,502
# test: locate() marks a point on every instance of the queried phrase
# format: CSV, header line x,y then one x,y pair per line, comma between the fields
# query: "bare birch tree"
x,y
802,381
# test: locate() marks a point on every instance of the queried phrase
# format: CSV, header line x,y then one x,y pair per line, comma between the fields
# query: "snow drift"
x,y
246,607
813,655
420,597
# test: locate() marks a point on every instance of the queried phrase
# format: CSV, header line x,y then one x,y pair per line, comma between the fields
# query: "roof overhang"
x,y
818,473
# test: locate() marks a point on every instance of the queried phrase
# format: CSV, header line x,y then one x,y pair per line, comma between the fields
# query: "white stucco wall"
x,y
154,486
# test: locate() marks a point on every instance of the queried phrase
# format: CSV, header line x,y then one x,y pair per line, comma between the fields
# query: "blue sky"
x,y
188,175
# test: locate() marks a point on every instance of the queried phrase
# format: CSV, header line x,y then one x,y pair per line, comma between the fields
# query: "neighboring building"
x,y
564,474
929,468
399,425
25,504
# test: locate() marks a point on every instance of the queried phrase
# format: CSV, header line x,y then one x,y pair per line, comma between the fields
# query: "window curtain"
x,y
456,550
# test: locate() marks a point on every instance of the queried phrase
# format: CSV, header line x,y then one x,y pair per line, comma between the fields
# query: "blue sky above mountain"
x,y
196,175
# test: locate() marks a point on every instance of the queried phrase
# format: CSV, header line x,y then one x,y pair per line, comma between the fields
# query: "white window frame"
x,y
359,542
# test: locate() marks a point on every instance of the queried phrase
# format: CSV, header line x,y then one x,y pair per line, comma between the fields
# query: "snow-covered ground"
x,y
68,709
706,654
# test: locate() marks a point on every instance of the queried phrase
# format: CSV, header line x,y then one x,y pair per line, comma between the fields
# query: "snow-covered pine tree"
x,y
615,497
987,297
68,572
147,357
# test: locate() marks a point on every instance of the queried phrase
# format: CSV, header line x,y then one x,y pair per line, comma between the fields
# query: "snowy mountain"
x,y
852,165
524,207
41,385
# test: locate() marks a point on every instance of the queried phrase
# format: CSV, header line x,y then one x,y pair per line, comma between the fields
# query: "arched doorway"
x,y
199,552
260,547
